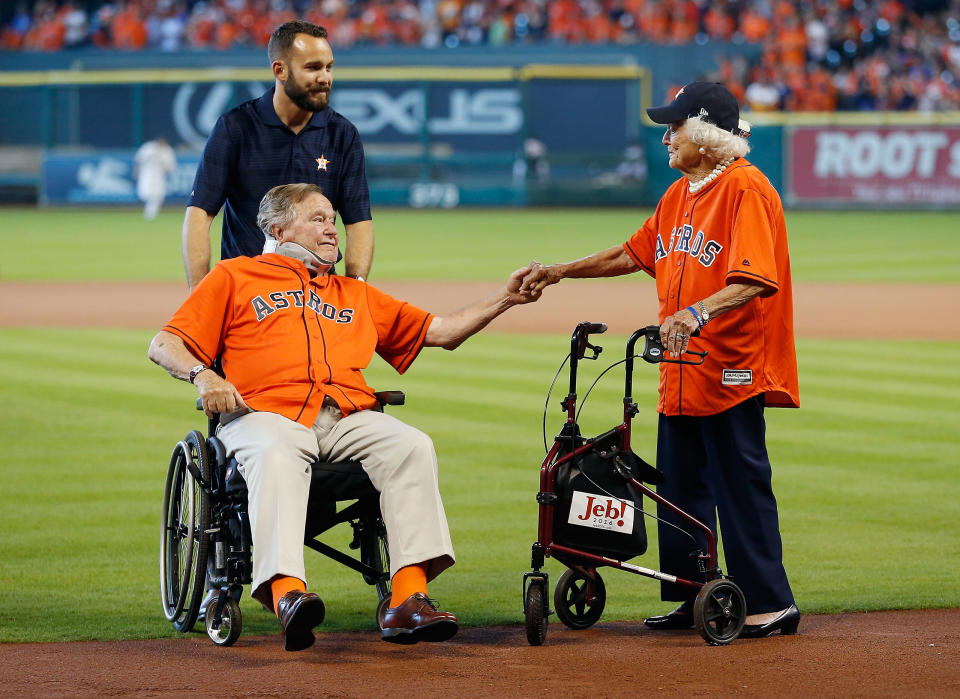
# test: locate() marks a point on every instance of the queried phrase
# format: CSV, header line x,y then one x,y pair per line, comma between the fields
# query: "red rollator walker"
x,y
591,514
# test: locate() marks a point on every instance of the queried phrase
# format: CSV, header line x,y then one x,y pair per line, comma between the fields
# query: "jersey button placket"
x,y
311,373
675,275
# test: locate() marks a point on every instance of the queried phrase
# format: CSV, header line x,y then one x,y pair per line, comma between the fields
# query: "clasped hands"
x,y
527,283
675,331
534,278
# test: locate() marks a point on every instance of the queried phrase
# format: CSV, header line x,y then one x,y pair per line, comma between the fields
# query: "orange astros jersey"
x,y
731,231
287,340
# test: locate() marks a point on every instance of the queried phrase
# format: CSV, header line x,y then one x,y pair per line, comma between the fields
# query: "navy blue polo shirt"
x,y
250,150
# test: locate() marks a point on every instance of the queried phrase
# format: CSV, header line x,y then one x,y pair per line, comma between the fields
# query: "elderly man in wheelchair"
x,y
293,341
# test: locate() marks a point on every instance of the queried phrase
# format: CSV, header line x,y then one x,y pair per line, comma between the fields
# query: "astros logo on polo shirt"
x,y
322,163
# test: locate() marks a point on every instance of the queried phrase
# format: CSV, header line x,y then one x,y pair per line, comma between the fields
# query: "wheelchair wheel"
x,y
578,600
382,610
719,612
231,623
535,611
184,536
375,553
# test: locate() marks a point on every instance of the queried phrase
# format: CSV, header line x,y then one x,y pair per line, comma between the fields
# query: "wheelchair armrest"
x,y
383,397
217,366
390,397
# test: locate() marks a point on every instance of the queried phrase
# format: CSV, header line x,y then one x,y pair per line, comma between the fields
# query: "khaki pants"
x,y
275,455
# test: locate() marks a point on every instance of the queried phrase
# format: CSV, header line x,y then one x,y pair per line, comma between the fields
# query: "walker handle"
x,y
579,342
579,345
653,350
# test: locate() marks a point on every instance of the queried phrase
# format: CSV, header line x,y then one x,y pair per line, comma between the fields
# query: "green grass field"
x,y
865,472
482,244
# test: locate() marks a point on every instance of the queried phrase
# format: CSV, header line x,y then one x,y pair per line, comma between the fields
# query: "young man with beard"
x,y
290,134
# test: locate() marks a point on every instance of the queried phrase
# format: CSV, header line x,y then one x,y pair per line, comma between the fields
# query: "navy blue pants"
x,y
717,467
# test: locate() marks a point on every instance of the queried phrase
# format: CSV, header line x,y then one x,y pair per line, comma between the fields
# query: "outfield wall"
x,y
812,167
465,136
540,134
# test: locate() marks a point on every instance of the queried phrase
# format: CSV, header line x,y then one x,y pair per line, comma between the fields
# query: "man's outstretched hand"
x,y
537,278
521,292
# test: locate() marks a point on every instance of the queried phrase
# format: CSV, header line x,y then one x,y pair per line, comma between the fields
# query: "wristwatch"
x,y
196,370
704,315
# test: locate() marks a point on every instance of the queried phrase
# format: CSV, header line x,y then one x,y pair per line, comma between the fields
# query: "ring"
x,y
681,336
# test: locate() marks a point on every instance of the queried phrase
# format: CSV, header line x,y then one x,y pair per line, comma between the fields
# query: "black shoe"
x,y
786,624
679,618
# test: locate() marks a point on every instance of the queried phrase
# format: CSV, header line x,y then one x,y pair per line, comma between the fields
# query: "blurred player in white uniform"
x,y
151,164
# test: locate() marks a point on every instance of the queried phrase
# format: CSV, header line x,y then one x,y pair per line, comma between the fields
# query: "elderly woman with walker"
x,y
717,247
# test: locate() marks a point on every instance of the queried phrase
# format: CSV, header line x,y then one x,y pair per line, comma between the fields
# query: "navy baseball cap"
x,y
711,102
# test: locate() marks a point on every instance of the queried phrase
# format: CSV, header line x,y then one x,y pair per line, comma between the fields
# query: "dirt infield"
x,y
820,310
887,654
904,653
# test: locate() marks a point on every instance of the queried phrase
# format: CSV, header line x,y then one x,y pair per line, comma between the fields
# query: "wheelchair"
x,y
205,540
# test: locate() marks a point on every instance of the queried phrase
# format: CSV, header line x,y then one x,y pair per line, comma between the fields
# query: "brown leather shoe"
x,y
299,612
418,619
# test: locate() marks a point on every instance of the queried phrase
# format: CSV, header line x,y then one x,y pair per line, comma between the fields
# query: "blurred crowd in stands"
x,y
818,55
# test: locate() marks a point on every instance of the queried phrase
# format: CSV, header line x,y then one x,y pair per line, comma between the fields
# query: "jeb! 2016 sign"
x,y
882,166
600,512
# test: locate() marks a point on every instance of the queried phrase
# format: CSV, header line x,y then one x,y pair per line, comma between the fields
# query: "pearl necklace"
x,y
700,184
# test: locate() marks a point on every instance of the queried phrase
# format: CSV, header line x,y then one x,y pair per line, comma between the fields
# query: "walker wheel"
x,y
719,612
230,625
535,608
579,600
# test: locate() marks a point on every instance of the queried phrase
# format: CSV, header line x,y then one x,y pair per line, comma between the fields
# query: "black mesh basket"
x,y
597,510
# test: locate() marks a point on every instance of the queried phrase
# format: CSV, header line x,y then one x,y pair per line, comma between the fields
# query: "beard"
x,y
315,100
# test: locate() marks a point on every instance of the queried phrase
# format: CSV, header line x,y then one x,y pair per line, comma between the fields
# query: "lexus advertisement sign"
x,y
874,166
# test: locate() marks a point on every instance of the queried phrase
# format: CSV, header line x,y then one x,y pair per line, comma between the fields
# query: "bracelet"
x,y
695,315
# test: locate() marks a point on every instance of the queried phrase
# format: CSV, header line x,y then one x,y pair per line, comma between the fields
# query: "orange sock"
x,y
282,584
407,581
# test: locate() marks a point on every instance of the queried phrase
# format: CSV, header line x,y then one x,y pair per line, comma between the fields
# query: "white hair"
x,y
277,207
719,143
